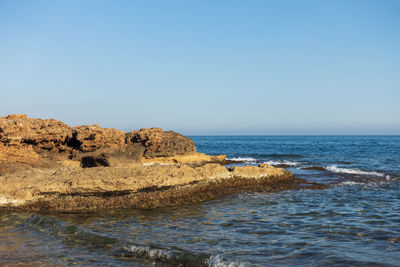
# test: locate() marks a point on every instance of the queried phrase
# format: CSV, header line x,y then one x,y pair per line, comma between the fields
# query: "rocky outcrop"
x,y
46,164
16,154
28,140
91,138
158,143
51,138
193,159
70,187
20,131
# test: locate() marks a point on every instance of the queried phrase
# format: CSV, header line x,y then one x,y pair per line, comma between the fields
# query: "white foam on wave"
x,y
218,261
242,159
365,184
164,254
279,162
350,183
336,169
153,253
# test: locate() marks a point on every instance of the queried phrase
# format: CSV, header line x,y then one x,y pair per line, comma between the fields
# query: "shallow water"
x,y
356,221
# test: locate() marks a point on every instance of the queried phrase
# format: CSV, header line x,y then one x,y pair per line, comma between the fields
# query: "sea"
x,y
355,221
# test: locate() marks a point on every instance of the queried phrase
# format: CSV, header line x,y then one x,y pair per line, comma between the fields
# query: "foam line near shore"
x,y
336,169
279,162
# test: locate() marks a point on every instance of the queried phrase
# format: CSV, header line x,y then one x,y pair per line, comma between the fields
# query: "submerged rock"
x,y
314,168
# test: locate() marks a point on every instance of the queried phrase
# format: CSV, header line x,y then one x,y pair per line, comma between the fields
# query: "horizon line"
x,y
233,135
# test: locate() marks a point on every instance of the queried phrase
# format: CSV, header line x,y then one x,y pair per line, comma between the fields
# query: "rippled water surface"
x,y
355,222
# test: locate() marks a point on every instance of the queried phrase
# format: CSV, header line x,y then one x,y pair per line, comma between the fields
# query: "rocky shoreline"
x,y
48,165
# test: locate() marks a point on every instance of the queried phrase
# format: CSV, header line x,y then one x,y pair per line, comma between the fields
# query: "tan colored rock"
x,y
265,165
20,154
94,137
46,164
55,140
257,172
49,134
219,158
185,159
33,188
161,144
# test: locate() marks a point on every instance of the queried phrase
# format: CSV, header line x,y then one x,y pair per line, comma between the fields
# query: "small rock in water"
x,y
314,168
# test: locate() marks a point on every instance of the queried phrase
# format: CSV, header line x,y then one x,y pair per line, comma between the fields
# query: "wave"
x,y
169,255
365,183
218,261
244,159
282,156
181,257
350,183
70,232
282,162
336,169
79,236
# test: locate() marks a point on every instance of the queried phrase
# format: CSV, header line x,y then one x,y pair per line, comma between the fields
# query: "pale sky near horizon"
x,y
205,67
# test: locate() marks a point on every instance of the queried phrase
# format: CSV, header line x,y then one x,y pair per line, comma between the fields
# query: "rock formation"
x,y
31,141
46,164
161,144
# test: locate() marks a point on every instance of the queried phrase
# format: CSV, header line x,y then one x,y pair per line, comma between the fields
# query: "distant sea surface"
x,y
355,222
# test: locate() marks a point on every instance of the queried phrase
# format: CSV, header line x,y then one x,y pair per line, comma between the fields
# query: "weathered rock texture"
x,y
161,144
46,164
30,141
73,188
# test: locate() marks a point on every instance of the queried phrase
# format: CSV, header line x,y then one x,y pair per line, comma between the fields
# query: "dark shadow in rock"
x,y
93,161
73,141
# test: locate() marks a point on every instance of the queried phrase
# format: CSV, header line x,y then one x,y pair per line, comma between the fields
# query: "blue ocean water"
x,y
354,222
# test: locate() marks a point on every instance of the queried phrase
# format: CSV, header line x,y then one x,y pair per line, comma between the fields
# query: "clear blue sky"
x,y
205,67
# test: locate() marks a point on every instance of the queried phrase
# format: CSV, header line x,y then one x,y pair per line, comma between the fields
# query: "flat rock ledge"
x,y
48,165
72,188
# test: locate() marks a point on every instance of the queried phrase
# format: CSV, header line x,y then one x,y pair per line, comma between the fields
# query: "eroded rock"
x,y
71,187
158,143
46,164
19,130
28,140
91,138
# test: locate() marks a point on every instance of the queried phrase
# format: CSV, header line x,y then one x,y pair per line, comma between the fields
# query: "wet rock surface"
x,y
71,187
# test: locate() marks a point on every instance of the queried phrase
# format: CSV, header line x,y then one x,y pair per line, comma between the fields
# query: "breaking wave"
x,y
244,159
280,162
76,235
170,255
336,169
181,257
350,183
218,261
282,156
